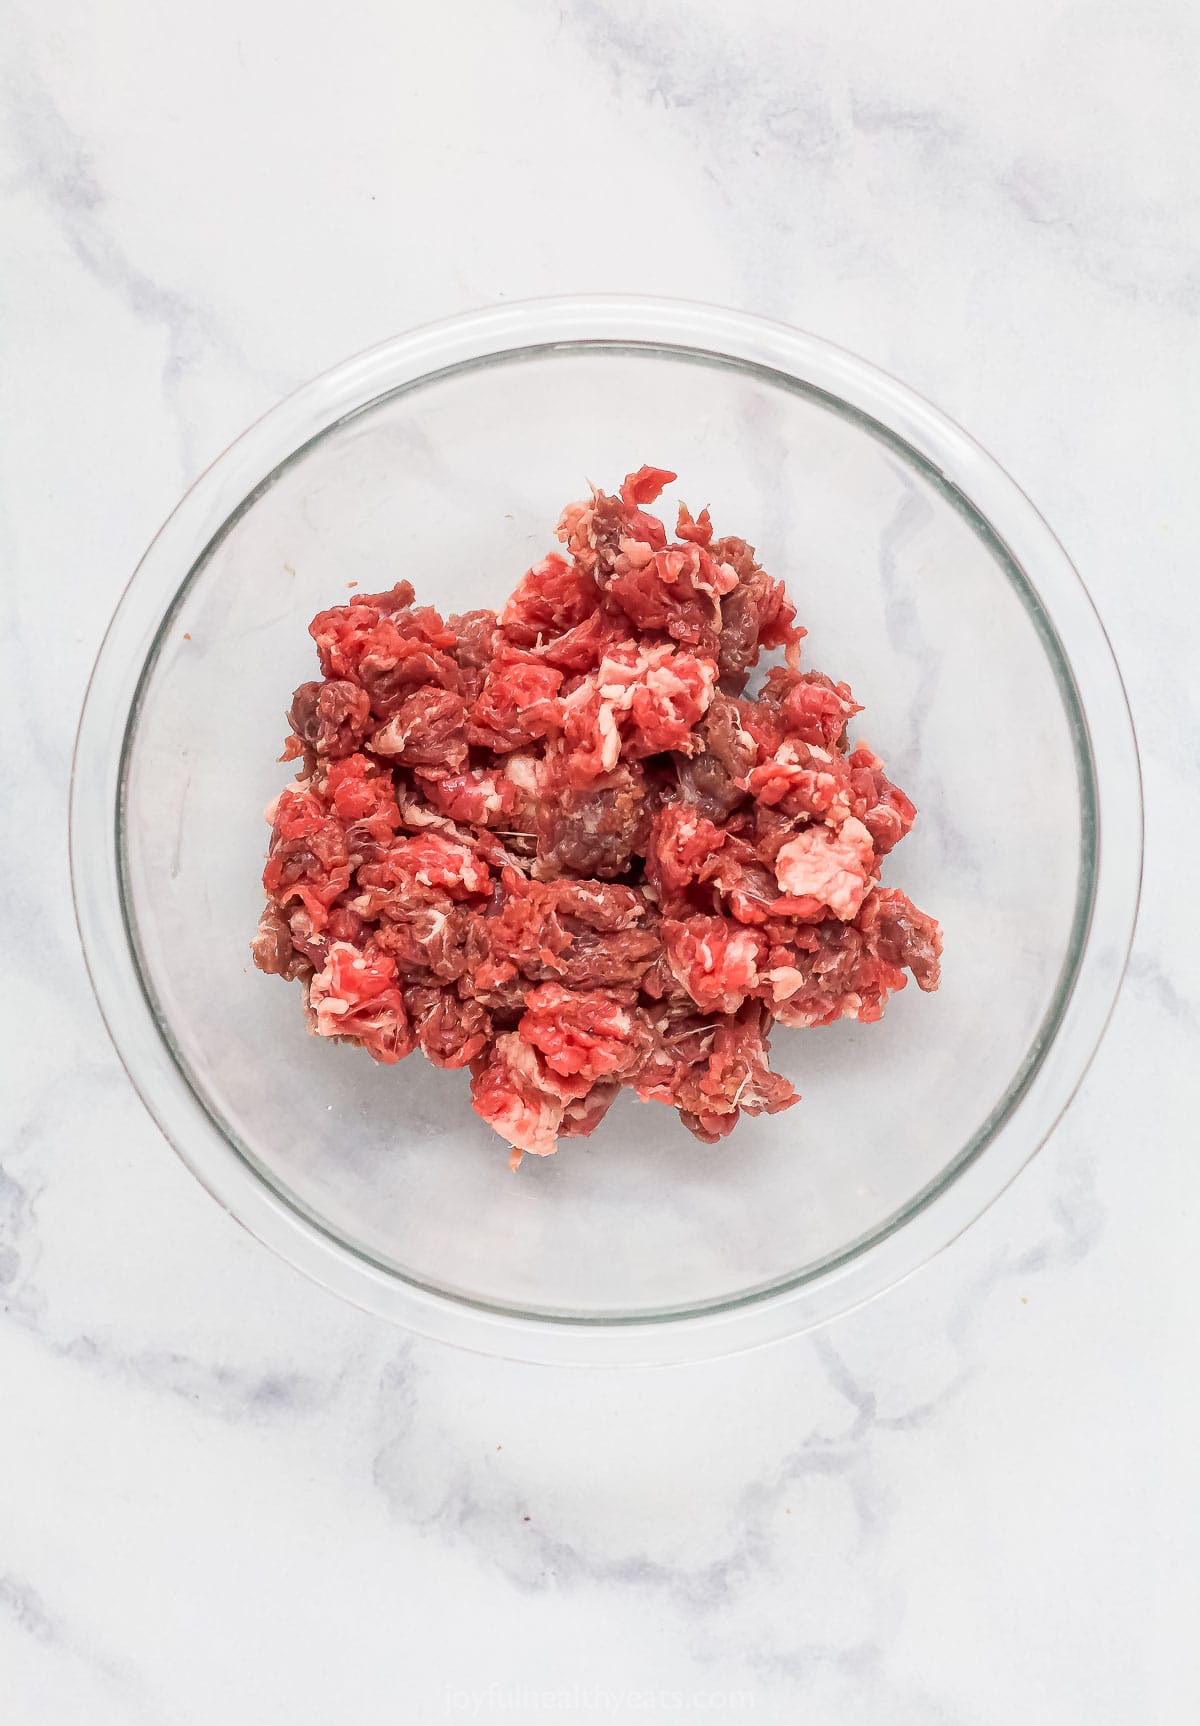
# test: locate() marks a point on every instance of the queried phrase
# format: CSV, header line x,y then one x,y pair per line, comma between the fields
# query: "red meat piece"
x,y
748,889
677,589
427,730
550,599
482,796
419,871
273,949
582,1115
714,778
519,1096
388,650
827,867
330,719
610,935
882,807
450,1032
591,832
682,844
733,1079
517,704
518,937
583,648
634,708
361,790
308,861
714,959
582,1033
898,934
427,940
355,995
805,780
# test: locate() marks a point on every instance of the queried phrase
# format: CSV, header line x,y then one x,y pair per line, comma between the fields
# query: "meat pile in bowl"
x,y
559,845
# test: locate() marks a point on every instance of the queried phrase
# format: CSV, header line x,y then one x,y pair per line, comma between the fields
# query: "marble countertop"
x,y
224,1496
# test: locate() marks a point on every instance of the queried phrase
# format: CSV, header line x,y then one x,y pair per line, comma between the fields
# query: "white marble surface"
x,y
223,1495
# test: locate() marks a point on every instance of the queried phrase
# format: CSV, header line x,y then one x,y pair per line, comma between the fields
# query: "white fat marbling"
x,y
223,1495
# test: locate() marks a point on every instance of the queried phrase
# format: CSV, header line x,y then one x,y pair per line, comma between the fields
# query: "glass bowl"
x,y
926,580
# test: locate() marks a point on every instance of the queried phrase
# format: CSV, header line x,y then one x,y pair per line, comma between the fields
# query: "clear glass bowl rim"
x,y
901,417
